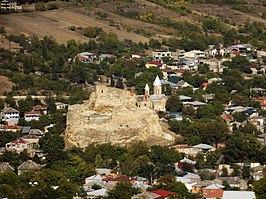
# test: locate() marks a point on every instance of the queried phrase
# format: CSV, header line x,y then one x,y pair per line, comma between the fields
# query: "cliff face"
x,y
111,115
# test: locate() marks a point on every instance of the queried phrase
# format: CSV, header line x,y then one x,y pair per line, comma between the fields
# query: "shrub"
x,y
40,7
53,6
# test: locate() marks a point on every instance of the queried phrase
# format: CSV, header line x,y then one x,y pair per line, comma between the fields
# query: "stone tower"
x,y
147,92
157,86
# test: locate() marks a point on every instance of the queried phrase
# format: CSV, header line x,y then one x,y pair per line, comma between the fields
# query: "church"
x,y
157,100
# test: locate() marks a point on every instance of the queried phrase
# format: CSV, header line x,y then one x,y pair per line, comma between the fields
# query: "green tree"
x,y
122,190
260,188
174,104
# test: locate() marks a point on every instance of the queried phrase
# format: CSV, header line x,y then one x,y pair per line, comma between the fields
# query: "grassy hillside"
x,y
140,20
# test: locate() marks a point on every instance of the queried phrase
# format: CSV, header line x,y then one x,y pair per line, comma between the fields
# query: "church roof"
x,y
147,87
157,81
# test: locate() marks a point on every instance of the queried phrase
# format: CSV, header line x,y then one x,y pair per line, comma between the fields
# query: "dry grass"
x,y
5,85
55,23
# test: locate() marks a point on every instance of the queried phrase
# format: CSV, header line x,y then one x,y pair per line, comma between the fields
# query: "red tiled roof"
x,y
163,193
19,141
155,63
215,194
205,84
39,107
227,117
120,178
33,113
10,127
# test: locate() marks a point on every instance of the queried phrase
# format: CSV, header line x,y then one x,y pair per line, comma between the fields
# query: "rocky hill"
x,y
111,115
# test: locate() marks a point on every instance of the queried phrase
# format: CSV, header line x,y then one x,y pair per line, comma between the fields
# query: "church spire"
x,y
147,92
157,86
157,81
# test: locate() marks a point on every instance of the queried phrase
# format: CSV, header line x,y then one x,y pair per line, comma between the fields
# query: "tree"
x,y
240,116
122,190
260,188
174,104
168,182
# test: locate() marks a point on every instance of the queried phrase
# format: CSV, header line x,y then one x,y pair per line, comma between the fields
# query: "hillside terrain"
x,y
137,20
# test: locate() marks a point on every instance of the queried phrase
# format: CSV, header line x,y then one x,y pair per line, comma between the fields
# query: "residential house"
x,y
216,50
184,98
146,195
217,194
195,54
194,104
181,148
262,101
208,97
239,194
40,108
4,166
198,188
258,172
175,116
179,165
214,79
217,68
203,148
232,181
61,106
36,132
31,139
106,56
228,168
86,57
156,64
97,193
10,128
114,179
227,118
32,115
29,165
242,48
257,69
262,138
259,122
163,193
167,72
139,55
10,5
103,171
187,182
94,179
192,176
159,55
47,128
212,188
182,84
26,130
10,115
19,145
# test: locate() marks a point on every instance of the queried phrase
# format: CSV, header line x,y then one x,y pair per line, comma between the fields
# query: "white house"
x,y
10,5
195,54
32,115
10,115
239,194
158,55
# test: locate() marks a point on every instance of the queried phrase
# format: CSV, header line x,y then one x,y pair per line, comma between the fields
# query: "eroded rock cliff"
x,y
111,115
